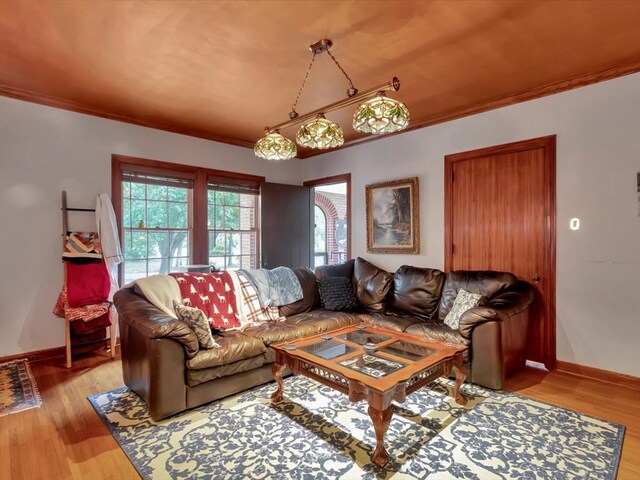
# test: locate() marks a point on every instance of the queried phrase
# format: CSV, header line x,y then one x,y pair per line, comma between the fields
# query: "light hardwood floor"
x,y
65,438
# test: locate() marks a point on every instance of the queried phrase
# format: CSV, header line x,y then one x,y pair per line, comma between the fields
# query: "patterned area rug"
x,y
317,433
18,390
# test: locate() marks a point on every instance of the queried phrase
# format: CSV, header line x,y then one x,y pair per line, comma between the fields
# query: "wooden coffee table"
x,y
371,363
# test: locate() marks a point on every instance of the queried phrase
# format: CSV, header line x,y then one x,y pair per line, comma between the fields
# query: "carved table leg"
x,y
461,374
381,420
277,370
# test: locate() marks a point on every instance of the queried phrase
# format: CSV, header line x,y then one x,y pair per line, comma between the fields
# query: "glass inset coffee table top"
x,y
365,349
372,365
328,349
408,350
362,337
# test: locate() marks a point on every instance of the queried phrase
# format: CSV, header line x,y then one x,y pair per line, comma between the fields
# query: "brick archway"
x,y
331,216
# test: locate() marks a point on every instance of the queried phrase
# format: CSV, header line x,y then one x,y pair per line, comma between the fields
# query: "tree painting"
x,y
392,217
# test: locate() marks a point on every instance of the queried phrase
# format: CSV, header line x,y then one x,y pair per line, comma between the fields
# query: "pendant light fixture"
x,y
379,114
274,146
320,133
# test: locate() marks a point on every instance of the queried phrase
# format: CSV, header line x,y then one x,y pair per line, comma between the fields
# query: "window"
x,y
173,216
156,224
232,224
331,242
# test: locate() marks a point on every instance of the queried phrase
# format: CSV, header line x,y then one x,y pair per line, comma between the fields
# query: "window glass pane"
x,y
176,194
138,190
135,244
134,269
158,244
219,223
178,215
247,218
247,200
247,262
211,215
217,262
158,266
179,246
216,243
233,244
157,215
233,262
231,198
126,189
138,213
231,218
248,243
156,192
126,213
232,229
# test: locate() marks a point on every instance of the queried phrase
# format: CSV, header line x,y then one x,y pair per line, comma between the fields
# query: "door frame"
x,y
342,178
548,144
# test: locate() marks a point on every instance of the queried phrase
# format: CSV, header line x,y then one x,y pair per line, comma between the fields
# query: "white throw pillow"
x,y
463,302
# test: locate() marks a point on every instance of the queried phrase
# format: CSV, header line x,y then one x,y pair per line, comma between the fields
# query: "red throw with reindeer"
x,y
212,293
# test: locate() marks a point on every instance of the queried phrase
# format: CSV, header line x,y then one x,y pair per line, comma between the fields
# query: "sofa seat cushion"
x,y
397,321
323,320
196,377
437,331
234,346
302,325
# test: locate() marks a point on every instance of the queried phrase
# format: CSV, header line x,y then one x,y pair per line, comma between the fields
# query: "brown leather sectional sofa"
x,y
162,362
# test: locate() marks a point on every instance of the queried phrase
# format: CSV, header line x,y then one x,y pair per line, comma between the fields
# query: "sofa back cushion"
x,y
310,295
417,291
372,285
485,282
340,270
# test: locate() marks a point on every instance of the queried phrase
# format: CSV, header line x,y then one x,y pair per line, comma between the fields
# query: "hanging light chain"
x,y
293,114
352,90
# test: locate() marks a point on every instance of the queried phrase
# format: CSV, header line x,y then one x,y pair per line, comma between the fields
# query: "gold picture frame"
x,y
393,219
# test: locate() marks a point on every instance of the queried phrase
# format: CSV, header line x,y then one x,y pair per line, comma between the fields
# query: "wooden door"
x,y
500,215
285,223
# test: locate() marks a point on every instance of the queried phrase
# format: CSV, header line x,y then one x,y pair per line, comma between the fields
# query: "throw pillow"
x,y
463,302
197,320
336,293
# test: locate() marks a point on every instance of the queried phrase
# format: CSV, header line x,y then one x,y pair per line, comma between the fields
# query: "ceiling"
x,y
224,70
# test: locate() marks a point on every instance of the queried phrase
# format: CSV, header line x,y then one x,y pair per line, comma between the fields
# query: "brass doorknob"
x,y
535,277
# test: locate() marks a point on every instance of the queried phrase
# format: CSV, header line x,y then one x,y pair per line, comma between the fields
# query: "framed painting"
x,y
392,217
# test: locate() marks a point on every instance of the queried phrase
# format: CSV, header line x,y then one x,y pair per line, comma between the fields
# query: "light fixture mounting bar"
x,y
321,46
394,85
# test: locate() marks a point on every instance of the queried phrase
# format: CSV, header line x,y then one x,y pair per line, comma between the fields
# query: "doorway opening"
x,y
331,232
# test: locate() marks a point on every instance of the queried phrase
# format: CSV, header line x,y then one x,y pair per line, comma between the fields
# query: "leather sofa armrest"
x,y
506,304
150,322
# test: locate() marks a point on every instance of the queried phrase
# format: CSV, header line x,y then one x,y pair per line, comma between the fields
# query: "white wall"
x,y
598,156
46,150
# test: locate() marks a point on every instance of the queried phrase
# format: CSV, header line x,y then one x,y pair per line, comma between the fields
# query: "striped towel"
x,y
82,245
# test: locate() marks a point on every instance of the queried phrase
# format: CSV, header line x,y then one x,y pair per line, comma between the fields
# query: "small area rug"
x,y
315,432
18,389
